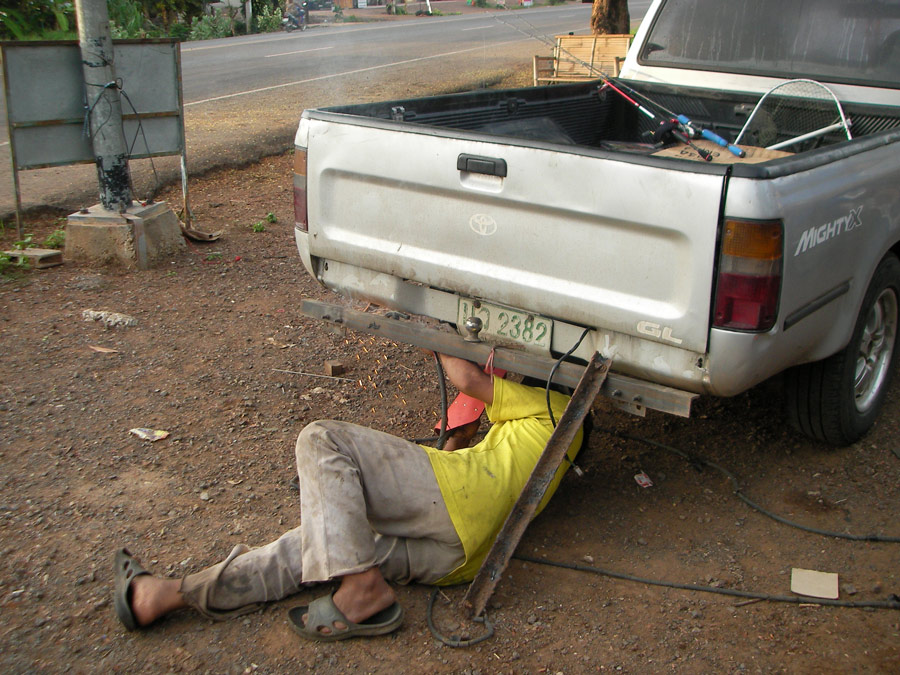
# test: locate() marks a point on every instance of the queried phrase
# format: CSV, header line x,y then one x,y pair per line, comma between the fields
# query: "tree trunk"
x,y
610,16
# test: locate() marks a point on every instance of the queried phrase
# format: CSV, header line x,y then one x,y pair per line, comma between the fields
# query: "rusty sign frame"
x,y
46,104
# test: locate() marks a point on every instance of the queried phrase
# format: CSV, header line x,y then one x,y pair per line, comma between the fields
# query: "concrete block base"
x,y
141,237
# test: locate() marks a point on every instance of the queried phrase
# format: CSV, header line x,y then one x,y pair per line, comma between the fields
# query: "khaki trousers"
x,y
367,499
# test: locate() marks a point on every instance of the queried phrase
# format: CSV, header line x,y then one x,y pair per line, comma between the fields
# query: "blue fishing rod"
x,y
691,128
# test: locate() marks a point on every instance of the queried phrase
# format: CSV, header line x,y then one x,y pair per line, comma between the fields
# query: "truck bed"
x,y
585,115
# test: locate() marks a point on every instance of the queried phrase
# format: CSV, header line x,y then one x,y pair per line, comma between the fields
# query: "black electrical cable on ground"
x,y
700,462
893,603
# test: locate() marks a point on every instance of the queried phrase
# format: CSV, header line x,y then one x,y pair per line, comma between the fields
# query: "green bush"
x,y
56,239
6,264
126,20
26,242
180,31
268,20
210,26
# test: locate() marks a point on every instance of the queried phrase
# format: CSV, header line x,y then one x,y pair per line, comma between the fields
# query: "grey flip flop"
x,y
324,614
126,569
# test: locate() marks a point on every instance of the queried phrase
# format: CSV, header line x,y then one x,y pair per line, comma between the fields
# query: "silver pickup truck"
x,y
578,218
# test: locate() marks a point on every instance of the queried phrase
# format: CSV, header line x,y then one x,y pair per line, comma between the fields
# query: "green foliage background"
x,y
182,19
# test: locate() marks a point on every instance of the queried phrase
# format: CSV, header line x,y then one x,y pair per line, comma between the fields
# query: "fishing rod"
x,y
687,127
708,134
665,127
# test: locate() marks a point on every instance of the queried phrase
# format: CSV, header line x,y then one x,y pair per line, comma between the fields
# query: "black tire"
x,y
837,400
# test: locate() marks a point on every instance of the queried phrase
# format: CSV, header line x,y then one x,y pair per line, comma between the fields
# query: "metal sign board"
x,y
47,103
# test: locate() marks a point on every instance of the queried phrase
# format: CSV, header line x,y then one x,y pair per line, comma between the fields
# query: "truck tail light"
x,y
749,280
301,219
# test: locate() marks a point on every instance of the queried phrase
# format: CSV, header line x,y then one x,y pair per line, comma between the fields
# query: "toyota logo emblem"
x,y
483,224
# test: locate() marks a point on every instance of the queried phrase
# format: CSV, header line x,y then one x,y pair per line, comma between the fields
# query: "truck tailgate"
x,y
571,235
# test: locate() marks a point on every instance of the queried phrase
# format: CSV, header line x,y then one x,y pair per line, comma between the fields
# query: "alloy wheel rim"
x,y
876,346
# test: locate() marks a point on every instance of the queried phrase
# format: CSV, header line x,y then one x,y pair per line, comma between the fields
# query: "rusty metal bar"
x,y
488,576
620,389
445,343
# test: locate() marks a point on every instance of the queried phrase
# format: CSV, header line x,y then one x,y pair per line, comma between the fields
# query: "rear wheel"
x,y
838,399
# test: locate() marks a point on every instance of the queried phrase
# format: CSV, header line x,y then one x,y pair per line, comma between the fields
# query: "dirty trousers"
x,y
366,499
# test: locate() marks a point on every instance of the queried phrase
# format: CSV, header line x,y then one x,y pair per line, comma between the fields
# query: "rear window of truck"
x,y
847,41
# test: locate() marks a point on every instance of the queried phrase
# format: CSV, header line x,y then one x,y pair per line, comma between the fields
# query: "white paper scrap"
x,y
814,584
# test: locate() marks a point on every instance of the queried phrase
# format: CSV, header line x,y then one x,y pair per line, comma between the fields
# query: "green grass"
x,y
56,239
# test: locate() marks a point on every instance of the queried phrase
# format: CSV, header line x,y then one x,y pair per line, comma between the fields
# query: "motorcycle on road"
x,y
295,18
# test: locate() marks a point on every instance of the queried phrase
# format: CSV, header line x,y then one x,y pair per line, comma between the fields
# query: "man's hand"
x,y
461,436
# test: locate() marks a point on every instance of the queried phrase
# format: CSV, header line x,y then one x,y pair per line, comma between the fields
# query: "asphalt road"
x,y
243,95
257,62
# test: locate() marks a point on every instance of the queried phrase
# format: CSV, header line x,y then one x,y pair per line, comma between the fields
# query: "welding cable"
x,y
140,130
454,640
578,471
556,367
442,438
893,603
699,462
89,109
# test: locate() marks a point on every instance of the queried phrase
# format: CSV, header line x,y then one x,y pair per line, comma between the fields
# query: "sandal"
x,y
125,570
324,614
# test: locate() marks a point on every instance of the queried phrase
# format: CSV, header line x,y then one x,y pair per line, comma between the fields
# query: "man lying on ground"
x,y
374,508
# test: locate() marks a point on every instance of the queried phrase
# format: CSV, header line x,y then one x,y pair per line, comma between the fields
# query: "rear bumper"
x,y
629,393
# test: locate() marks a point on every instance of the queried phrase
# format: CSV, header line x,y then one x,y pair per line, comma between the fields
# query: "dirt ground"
x,y
215,330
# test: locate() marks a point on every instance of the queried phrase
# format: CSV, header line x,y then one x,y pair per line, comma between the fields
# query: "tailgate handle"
x,y
492,166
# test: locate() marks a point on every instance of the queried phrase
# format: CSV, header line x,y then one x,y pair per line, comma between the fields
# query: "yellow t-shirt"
x,y
480,484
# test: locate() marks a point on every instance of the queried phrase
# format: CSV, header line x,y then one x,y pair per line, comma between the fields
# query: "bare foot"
x,y
361,596
151,598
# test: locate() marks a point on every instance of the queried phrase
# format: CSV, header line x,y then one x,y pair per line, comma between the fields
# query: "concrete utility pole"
x,y
118,230
108,139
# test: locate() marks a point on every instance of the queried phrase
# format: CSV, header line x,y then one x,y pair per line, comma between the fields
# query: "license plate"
x,y
509,325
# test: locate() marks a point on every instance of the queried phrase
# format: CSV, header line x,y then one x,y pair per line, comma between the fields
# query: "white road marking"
x,y
299,51
350,72
477,28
